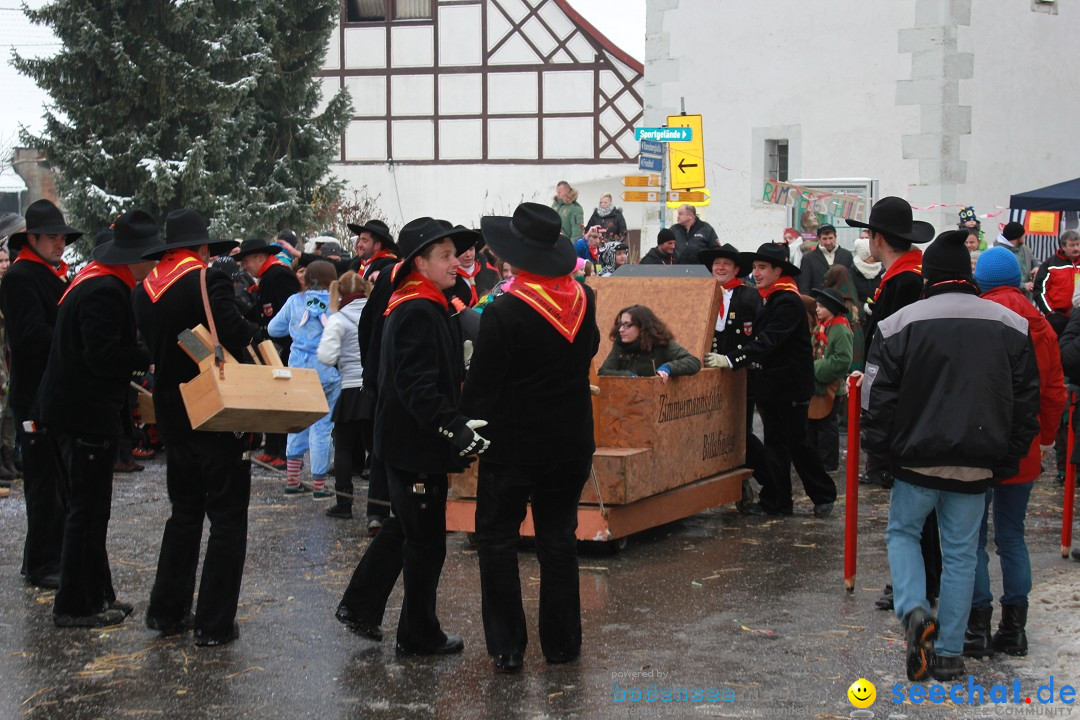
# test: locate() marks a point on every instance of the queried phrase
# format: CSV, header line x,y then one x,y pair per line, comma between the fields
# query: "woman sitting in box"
x,y
645,347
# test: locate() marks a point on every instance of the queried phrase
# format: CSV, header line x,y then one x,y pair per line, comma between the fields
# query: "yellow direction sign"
x,y
686,160
697,198
641,180
641,196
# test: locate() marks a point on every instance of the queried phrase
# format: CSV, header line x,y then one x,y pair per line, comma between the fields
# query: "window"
x,y
776,160
376,10
367,10
412,9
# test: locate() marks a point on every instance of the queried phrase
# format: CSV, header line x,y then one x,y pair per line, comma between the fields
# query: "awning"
x,y
1063,196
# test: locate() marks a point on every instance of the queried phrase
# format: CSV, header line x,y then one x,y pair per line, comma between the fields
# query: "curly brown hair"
x,y
653,332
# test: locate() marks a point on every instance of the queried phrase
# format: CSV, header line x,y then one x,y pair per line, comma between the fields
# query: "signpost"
x,y
651,158
686,158
700,197
641,196
641,181
666,134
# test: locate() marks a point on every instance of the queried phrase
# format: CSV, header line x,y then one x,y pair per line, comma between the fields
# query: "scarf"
x,y
784,283
821,334
29,254
830,255
346,299
470,278
732,284
174,265
911,261
868,270
95,270
604,212
377,256
559,300
270,262
416,287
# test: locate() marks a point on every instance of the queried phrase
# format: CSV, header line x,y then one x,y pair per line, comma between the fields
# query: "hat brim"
x,y
746,260
921,232
707,257
215,247
463,239
17,240
272,249
836,308
108,253
555,260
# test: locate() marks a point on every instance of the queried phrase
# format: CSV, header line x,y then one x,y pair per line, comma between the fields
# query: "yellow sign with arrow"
x,y
686,160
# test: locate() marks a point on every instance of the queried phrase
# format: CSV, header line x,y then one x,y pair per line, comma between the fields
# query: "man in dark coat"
x,y
818,261
95,354
275,282
781,388
664,252
206,474
692,235
529,378
28,296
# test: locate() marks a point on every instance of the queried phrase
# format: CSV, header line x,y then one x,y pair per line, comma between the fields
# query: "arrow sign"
x,y
641,181
664,135
694,196
640,196
686,159
683,165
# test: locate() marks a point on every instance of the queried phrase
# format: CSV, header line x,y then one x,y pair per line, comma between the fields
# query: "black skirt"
x,y
354,404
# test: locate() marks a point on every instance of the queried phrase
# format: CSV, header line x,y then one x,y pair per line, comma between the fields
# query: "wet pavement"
x,y
751,609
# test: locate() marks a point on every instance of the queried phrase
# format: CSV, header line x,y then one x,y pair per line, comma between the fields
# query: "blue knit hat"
x,y
997,267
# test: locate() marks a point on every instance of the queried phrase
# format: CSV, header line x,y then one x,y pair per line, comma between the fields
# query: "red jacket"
x,y
1054,284
1051,378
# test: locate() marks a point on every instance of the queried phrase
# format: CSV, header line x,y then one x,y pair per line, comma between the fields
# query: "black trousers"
x,y
86,473
378,494
419,502
502,494
785,445
376,574
207,477
274,445
824,435
348,437
44,512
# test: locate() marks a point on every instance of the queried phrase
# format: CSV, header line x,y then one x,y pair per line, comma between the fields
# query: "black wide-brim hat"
x,y
727,250
44,218
187,228
892,216
252,246
773,253
831,299
424,232
134,234
377,228
531,240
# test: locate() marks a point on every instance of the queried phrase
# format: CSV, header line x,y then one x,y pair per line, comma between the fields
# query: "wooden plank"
x,y
269,354
203,334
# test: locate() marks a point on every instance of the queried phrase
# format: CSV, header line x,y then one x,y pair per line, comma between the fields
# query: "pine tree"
x,y
209,104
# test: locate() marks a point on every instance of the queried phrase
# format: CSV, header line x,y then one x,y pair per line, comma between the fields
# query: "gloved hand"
x,y
664,372
714,360
468,350
472,442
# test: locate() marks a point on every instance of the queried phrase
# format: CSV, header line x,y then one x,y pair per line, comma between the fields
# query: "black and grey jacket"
x,y
951,392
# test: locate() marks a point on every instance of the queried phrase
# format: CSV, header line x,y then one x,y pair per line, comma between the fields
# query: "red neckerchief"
x,y
416,287
29,254
270,262
821,334
381,254
911,261
95,270
174,265
784,283
559,300
478,266
732,284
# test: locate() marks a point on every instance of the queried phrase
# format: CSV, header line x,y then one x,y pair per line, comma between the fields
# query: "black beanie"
x,y
1013,231
947,258
664,236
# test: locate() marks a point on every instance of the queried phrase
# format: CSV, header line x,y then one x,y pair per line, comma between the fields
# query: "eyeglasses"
x,y
623,325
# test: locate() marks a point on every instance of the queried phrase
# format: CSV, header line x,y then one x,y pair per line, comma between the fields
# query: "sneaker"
x,y
277,463
265,458
295,490
322,494
143,453
922,630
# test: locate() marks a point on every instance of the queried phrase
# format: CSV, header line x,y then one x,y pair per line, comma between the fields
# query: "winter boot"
x,y
977,642
1010,637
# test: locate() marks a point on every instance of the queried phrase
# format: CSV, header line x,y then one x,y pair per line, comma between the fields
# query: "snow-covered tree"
x,y
209,104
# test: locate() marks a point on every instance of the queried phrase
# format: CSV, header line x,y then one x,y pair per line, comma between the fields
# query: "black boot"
x,y
1010,637
977,642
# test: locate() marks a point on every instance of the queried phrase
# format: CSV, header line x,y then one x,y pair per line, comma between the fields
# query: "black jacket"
x,y
814,266
899,292
781,347
614,224
924,406
1069,342
276,285
865,287
181,308
743,309
688,243
95,354
28,296
655,257
418,426
369,329
531,385
342,266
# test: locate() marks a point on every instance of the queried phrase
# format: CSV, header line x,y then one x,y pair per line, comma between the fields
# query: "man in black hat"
x,y
529,378
28,296
781,388
820,260
207,476
275,282
664,252
82,401
944,458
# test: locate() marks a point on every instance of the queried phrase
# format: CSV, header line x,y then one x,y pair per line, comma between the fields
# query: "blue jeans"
x,y
958,516
316,438
1010,508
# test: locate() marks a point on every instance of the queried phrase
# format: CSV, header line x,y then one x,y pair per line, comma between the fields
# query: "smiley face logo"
x,y
862,693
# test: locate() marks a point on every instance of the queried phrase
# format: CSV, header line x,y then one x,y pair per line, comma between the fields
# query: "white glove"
x,y
479,443
467,347
713,360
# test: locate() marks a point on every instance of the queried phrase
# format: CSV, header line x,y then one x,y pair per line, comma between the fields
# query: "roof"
x,y
599,37
10,182
1062,196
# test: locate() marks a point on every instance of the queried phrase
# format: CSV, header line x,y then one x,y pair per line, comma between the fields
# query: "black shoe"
x,y
885,602
977,641
204,640
922,630
126,608
104,618
170,627
1011,637
46,582
508,664
823,510
454,644
340,511
948,668
346,617
561,659
749,508
1075,553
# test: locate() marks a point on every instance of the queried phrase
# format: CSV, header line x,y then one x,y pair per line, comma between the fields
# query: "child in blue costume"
x,y
302,318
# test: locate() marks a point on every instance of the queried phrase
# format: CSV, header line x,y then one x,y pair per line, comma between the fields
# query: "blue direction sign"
x,y
652,148
652,163
664,135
